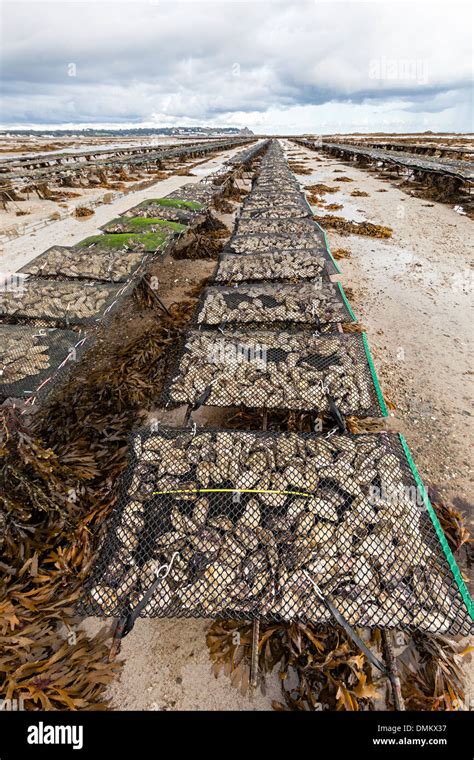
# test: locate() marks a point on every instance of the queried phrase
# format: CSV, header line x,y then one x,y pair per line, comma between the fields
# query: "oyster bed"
x,y
244,244
283,226
260,368
274,212
308,304
245,522
197,192
244,518
294,201
145,241
57,301
92,263
27,353
277,265
273,188
138,224
148,209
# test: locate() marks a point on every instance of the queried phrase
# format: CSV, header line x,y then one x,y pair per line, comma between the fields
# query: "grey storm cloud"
x,y
173,62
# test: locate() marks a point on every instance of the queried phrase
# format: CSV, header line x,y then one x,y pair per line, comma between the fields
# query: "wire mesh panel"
x,y
273,185
276,177
198,192
92,263
268,200
309,304
29,355
274,212
260,368
276,226
244,156
274,266
244,244
142,224
56,302
148,242
247,523
155,208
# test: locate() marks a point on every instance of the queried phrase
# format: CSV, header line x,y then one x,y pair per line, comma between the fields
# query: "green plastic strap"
x,y
374,376
439,531
327,247
336,265
346,302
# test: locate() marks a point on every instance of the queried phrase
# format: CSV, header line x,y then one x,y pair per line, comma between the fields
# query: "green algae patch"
x,y
146,241
142,224
173,202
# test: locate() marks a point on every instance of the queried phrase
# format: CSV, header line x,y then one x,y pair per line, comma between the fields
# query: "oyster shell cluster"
x,y
246,244
85,263
125,224
56,300
245,518
291,202
271,212
151,210
22,354
278,265
310,304
273,370
201,192
276,226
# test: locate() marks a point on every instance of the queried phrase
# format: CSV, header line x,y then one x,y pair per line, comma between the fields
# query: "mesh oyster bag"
x,y
198,192
247,522
93,263
61,303
309,304
141,241
262,243
289,200
30,356
144,225
276,226
274,266
275,370
183,211
275,212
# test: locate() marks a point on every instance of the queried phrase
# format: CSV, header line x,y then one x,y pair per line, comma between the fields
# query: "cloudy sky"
x,y
285,66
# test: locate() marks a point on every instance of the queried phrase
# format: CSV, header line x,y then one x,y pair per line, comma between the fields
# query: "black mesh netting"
x,y
92,263
274,266
30,356
255,201
277,226
275,212
274,179
262,243
141,242
279,183
265,369
309,304
247,522
199,192
44,302
149,209
128,225
244,156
